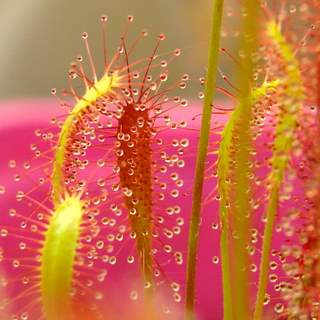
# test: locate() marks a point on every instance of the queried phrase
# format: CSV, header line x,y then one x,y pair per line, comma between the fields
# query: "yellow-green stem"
x,y
210,87
57,258
224,158
98,90
291,101
242,208
236,282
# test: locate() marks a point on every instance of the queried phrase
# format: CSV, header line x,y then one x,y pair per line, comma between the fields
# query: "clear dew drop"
x,y
253,268
112,260
175,193
133,295
24,316
175,286
2,189
104,18
98,295
12,164
215,226
4,232
266,300
177,297
19,195
279,308
16,263
215,260
273,278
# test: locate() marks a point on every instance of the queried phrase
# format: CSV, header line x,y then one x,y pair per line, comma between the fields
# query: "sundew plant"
x,y
134,202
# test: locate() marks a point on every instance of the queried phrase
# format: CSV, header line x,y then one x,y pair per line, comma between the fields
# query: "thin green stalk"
x,y
58,258
291,101
241,191
264,265
210,87
235,205
224,162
